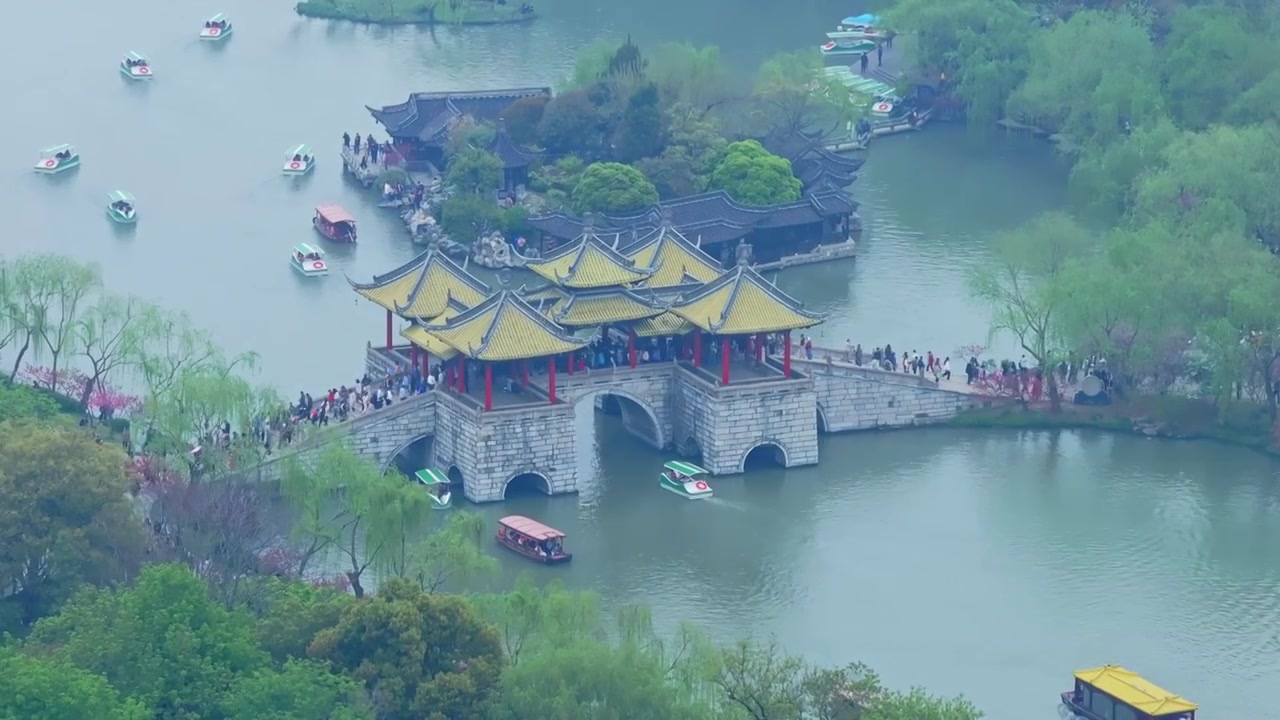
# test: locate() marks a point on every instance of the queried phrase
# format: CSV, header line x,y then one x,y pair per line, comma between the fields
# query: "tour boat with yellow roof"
x,y
135,66
122,208
437,485
56,159
1110,691
299,161
308,260
686,480
216,28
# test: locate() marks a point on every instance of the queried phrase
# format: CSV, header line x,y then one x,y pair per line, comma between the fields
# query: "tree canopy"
x,y
753,175
613,188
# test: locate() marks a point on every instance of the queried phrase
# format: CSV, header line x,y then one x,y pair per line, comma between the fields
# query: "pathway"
x,y
837,358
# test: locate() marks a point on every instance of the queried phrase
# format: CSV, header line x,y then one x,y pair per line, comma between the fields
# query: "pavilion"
x,y
425,287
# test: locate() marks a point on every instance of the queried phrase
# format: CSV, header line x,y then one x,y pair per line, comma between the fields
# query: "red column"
x,y
572,358
551,380
413,355
426,362
462,373
631,347
488,386
389,323
448,377
760,347
697,347
524,372
724,362
786,354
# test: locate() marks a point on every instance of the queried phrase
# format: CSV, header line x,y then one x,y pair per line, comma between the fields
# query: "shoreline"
x,y
1166,418
320,10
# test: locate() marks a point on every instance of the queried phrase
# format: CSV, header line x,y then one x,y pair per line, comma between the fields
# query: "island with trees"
x,y
140,580
420,12
1167,269
627,133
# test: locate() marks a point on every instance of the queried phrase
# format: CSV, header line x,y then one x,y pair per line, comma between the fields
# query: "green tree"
x,y
591,64
641,133
532,618
163,642
613,188
1213,56
52,689
1104,179
291,614
110,336
920,705
66,518
467,133
754,176
452,555
345,502
979,49
467,217
1025,286
419,655
474,171
573,125
301,690
1091,96
522,117
46,294
763,683
690,75
19,402
792,94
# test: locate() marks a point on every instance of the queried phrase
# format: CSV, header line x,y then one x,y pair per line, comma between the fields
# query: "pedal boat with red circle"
x,y
309,260
135,66
299,161
335,223
533,540
686,480
56,159
122,208
216,28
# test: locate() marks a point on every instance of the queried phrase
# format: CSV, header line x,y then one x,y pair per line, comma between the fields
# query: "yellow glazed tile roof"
x,y
589,263
434,346
666,324
585,309
673,259
503,327
741,302
422,287
1132,690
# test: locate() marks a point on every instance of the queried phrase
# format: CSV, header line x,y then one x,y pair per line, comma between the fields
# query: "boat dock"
x,y
366,172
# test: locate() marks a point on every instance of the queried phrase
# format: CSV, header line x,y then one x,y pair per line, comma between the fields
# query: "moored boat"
x,y
1110,691
56,159
335,223
437,485
685,479
848,46
308,260
135,66
533,540
866,26
299,161
122,208
217,27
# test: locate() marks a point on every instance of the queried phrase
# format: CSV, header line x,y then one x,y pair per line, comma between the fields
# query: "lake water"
x,y
986,563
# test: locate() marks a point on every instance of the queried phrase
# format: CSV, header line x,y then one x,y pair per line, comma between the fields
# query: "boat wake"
x,y
721,502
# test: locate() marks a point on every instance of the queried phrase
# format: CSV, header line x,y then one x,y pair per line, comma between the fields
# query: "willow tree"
x,y
347,505
792,94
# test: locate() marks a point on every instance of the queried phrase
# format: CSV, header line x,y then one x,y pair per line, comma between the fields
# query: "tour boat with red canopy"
x,y
335,223
533,540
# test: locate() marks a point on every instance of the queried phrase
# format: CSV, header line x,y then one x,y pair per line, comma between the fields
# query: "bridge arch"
x,y
765,451
638,414
454,473
390,459
525,481
822,420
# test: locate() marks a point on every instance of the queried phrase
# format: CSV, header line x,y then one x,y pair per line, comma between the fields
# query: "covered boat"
x,y
299,160
437,485
533,540
685,479
335,223
122,208
217,27
56,159
135,66
848,46
1111,692
308,260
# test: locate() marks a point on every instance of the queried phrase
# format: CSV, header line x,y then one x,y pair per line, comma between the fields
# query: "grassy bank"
x,y
1239,423
421,12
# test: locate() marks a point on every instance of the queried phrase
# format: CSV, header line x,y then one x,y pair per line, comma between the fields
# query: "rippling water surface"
x,y
990,564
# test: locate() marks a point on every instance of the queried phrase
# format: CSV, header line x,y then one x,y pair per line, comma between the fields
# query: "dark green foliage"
x,y
52,689
613,188
573,125
754,176
641,132
474,171
290,615
522,117
466,217
20,402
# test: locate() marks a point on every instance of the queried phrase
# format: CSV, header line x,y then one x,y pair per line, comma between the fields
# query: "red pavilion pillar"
x,y
413,355
697,347
488,386
631,346
551,379
524,372
760,343
462,373
724,361
572,357
786,354
390,344
425,357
